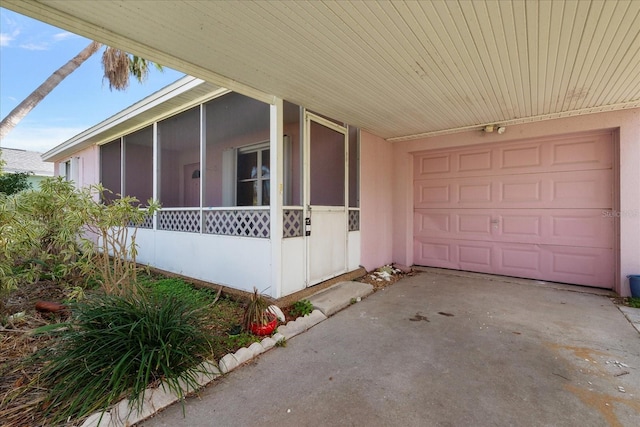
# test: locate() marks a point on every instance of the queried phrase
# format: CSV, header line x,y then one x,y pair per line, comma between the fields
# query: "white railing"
x,y
179,219
240,221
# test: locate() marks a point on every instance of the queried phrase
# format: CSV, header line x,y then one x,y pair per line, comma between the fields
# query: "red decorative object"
x,y
50,307
263,330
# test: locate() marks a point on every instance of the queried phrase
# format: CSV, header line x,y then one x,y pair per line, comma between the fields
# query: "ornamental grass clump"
x,y
117,345
255,313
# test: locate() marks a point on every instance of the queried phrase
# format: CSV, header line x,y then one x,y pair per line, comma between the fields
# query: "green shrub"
x,y
109,243
12,183
634,302
116,346
301,308
64,234
39,232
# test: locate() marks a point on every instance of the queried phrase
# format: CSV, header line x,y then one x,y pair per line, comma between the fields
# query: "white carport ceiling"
x,y
395,68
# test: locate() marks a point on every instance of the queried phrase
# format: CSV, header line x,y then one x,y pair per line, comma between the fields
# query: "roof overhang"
x,y
178,96
398,69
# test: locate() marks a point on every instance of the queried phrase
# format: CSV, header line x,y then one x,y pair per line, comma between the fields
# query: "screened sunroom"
x,y
251,193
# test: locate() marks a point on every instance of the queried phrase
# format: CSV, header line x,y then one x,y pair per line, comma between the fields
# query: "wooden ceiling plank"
x,y
425,61
623,31
532,48
438,28
466,27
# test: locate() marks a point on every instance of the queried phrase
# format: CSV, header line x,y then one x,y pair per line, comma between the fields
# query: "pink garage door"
x,y
538,209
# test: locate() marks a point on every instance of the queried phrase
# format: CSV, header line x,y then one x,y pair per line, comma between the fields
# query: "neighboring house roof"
x,y
398,69
25,161
181,94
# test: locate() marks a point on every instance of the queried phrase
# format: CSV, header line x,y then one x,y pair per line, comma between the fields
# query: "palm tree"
x,y
117,65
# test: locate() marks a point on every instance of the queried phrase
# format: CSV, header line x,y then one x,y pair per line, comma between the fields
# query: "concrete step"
x,y
339,296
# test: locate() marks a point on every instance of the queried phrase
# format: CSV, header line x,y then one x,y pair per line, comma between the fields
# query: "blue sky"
x,y
30,51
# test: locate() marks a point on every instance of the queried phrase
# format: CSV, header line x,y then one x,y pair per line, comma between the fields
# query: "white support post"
x,y
276,196
203,169
123,175
156,171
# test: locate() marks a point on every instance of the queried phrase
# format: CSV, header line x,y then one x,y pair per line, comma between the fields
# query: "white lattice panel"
x,y
354,220
147,222
248,223
293,224
188,221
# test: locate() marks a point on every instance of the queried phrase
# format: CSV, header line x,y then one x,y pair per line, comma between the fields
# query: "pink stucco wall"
x,y
376,196
627,122
88,166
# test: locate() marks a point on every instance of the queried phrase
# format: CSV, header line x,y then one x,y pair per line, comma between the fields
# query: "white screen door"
x,y
325,198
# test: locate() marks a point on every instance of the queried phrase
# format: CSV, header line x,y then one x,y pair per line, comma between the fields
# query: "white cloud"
x,y
63,36
35,46
6,38
39,139
45,42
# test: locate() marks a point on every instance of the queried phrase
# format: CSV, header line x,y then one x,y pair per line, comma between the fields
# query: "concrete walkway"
x,y
440,349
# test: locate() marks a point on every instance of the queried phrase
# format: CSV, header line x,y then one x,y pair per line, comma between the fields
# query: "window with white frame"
x,y
253,176
65,170
69,170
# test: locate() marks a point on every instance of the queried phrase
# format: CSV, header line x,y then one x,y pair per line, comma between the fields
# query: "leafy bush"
x,y
109,244
116,346
69,235
12,183
39,232
301,308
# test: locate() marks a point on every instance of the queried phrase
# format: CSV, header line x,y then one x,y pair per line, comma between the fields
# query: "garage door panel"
x,y
475,161
583,266
565,264
473,192
474,223
432,165
536,209
433,193
586,228
586,266
435,252
527,156
457,224
526,191
577,189
520,260
589,152
520,227
582,189
563,227
474,255
565,153
454,254
430,223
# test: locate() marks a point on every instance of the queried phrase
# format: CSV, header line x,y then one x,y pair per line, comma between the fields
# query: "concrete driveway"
x,y
441,349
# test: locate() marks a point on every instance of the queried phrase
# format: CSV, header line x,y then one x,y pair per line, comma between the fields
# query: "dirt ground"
x,y
18,317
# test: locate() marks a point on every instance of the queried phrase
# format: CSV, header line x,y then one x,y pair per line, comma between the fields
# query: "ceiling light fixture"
x,y
491,128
